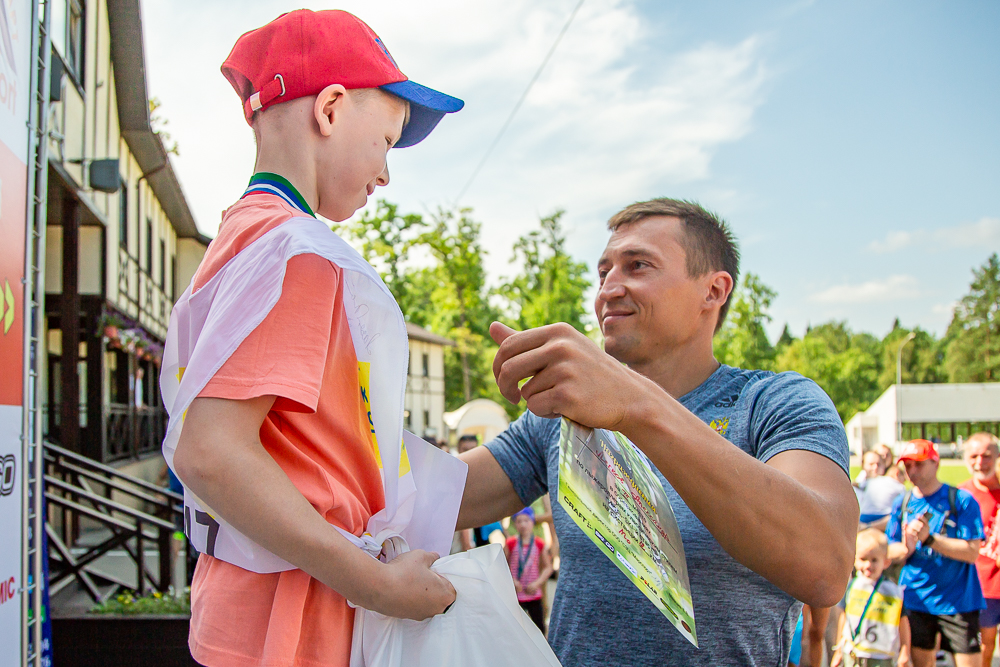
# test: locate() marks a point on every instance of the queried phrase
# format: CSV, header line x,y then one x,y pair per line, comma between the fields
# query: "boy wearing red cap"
x,y
280,439
936,531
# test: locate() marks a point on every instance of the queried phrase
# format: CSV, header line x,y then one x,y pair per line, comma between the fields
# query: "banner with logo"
x,y
15,63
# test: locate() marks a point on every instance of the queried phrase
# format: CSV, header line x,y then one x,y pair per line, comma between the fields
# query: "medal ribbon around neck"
x,y
273,184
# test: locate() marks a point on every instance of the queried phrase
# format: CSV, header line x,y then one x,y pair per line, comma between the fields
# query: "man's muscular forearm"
x,y
785,519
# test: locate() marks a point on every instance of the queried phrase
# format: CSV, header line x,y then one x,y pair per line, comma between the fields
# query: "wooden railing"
x,y
130,513
130,432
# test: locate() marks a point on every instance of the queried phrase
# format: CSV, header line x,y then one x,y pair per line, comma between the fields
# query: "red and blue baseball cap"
x,y
302,52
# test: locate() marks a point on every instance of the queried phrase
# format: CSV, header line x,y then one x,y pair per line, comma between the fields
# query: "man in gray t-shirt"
x,y
754,464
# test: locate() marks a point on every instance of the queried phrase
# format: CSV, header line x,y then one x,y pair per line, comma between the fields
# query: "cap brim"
x,y
427,108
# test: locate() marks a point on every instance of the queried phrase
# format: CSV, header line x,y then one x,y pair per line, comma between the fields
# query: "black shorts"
x,y
959,632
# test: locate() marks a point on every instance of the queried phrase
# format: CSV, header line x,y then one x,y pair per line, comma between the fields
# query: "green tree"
x,y
742,340
784,340
551,285
386,238
460,304
922,359
972,351
845,364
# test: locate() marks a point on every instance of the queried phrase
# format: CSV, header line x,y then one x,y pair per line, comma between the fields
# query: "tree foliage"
x,y
973,339
385,239
435,269
845,364
551,285
742,341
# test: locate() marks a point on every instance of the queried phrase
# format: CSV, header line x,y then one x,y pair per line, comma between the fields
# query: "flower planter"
x,y
154,640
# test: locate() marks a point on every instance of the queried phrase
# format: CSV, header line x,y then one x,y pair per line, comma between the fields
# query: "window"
x,y
163,264
173,276
123,215
427,365
427,419
66,28
149,247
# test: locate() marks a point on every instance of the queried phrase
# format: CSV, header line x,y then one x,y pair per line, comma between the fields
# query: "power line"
x,y
510,117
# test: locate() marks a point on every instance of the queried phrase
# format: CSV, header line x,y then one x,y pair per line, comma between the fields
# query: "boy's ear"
x,y
327,105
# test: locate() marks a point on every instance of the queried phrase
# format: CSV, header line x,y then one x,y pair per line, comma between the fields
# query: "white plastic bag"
x,y
485,626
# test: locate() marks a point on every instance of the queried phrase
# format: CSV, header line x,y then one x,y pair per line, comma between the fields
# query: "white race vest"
x,y
423,485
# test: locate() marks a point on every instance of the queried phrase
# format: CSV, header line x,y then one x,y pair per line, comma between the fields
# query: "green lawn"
x,y
952,471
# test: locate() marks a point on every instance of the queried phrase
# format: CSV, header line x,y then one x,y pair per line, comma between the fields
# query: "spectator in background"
x,y
981,453
897,472
530,565
885,452
937,531
467,442
879,495
871,467
475,537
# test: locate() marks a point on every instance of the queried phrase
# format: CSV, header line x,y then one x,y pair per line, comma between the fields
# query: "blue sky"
x,y
853,146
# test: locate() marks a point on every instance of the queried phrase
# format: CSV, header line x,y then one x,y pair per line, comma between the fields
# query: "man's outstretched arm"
x,y
793,519
489,495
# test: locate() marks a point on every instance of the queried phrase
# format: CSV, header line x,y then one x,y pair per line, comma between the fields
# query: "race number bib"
x,y
879,632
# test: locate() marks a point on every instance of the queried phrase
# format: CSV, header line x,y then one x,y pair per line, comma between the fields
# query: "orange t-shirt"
x,y
301,353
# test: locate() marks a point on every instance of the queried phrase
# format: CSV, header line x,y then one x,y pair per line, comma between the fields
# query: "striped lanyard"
x,y
523,556
272,184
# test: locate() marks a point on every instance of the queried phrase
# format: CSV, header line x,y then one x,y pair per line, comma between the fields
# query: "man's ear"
x,y
720,286
328,104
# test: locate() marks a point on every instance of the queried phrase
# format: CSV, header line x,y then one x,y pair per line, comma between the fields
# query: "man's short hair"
x,y
991,440
469,436
709,244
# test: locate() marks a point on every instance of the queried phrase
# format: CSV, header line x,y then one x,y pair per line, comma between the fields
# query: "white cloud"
x,y
894,241
945,309
985,232
617,115
893,288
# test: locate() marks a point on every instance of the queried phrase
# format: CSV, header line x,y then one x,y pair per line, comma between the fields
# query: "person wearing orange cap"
x,y
275,346
936,531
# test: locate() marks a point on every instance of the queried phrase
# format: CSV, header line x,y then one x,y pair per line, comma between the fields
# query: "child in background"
x,y
530,565
873,631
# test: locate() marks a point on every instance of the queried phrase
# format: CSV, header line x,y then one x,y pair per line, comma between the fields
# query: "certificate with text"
x,y
609,488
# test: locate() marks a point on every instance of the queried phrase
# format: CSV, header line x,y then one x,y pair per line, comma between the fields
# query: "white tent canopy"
x,y
481,417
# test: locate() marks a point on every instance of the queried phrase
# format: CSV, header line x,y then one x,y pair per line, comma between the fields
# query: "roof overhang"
x,y
128,58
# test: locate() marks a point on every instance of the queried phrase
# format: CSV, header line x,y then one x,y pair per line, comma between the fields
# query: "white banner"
x,y
10,530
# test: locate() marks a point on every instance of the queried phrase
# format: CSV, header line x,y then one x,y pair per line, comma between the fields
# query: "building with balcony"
x,y
121,242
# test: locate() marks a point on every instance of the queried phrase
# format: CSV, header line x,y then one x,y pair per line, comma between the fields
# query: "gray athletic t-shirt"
x,y
599,617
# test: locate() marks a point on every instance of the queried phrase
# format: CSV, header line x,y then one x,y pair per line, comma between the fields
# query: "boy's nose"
x,y
383,178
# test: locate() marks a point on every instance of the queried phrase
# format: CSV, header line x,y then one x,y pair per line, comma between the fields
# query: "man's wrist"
x,y
650,411
929,540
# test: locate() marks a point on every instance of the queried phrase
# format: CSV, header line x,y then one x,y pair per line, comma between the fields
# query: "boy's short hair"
x,y
709,244
870,536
